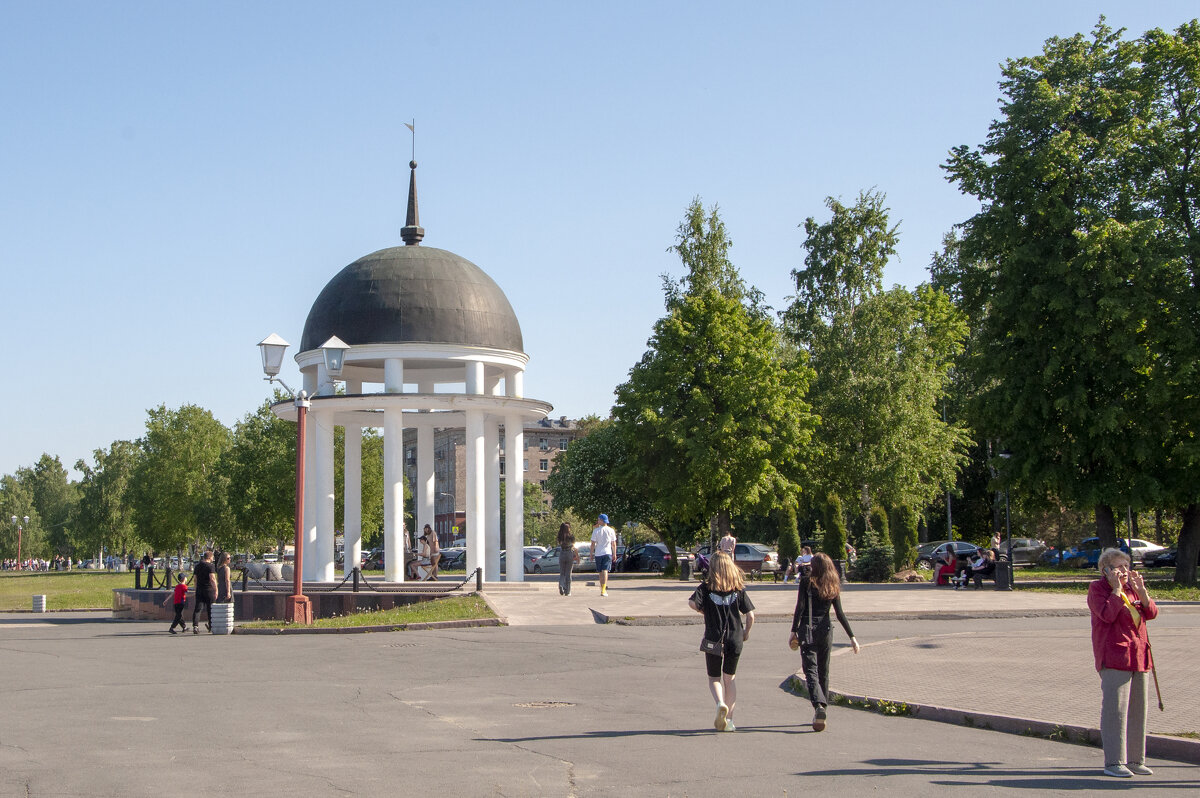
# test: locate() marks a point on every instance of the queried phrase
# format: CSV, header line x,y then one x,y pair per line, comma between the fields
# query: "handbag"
x,y
808,626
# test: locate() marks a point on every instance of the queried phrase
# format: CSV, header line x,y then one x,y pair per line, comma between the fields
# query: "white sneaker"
x,y
1119,771
722,714
1140,769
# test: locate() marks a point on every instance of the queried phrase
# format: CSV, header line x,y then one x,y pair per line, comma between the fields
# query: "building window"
x,y
543,445
543,465
562,444
501,466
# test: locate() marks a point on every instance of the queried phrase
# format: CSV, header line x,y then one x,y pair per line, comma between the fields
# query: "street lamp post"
x,y
298,608
19,524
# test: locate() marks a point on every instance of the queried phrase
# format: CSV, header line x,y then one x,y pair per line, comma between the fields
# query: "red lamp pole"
x,y
299,607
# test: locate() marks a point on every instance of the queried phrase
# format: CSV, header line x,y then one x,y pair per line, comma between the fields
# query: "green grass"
x,y
453,608
64,590
1164,591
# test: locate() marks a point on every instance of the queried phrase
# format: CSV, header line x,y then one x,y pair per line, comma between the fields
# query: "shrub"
x,y
834,542
874,563
904,534
789,537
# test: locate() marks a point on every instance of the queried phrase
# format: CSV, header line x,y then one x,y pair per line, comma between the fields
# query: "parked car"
x,y
549,562
1087,553
654,557
931,552
1139,549
453,559
750,557
1167,558
532,555
373,561
1025,551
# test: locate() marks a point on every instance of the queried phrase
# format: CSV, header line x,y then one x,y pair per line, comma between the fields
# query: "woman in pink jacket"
x,y
1120,608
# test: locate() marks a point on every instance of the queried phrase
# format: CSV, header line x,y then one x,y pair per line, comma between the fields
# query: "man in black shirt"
x,y
205,575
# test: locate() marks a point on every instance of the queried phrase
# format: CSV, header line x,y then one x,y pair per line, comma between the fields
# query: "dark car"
x,y
929,553
373,561
453,559
1025,551
653,557
1167,558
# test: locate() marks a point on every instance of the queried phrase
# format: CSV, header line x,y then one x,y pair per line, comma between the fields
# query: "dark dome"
x,y
413,294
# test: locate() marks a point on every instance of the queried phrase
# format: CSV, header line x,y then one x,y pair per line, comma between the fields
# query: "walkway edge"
x,y
349,630
1178,749
897,615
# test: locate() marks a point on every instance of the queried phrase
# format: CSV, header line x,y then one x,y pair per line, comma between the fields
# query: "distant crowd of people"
x,y
55,563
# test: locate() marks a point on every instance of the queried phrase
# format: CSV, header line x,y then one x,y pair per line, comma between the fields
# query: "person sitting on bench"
x,y
979,568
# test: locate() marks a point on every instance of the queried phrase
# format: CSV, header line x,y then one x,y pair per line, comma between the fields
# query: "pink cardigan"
x,y
1116,643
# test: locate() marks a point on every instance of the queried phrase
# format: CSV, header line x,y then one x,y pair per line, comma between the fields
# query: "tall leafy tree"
x,y
713,416
54,498
105,514
181,450
1081,266
882,360
16,498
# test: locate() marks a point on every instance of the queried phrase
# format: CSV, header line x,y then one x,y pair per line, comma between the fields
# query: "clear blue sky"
x,y
178,180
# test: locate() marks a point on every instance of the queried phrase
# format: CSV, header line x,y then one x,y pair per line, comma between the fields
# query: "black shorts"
x,y
717,665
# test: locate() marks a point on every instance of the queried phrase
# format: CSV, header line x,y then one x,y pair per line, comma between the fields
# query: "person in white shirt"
x,y
604,550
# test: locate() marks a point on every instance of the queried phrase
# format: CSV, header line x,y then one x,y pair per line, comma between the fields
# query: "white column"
x,y
514,384
393,375
322,553
476,551
393,475
425,489
514,497
491,497
352,484
311,488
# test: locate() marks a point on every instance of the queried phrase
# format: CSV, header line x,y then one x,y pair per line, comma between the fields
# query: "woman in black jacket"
x,y
812,630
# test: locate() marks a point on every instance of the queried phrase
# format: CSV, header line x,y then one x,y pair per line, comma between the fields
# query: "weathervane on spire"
x,y
412,232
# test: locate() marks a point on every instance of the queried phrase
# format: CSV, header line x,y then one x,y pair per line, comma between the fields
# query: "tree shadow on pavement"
x,y
606,734
1000,775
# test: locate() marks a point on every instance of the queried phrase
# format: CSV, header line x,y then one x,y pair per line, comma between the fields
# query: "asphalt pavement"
x,y
95,707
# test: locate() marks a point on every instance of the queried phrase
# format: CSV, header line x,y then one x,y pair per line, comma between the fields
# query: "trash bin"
x,y
1004,575
685,569
39,603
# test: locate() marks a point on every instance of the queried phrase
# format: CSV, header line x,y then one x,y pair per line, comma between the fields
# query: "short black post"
x,y
355,588
167,583
478,579
137,578
245,579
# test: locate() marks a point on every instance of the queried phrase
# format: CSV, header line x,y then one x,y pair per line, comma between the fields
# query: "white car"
x,y
1138,549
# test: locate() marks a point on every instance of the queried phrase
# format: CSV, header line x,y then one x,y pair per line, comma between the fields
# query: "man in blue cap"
x,y
604,550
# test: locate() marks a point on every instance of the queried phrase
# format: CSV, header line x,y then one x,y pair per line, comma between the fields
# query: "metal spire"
x,y
412,232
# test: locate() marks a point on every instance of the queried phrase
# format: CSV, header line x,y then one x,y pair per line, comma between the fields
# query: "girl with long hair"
x,y
812,630
723,601
568,555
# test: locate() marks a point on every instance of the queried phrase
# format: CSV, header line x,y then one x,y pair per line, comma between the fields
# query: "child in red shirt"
x,y
180,597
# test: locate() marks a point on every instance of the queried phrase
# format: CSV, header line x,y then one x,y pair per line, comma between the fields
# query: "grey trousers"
x,y
564,576
1123,716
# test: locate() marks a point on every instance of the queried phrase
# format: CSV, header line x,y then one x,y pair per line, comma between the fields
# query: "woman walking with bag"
x,y
723,601
812,630
1120,608
568,555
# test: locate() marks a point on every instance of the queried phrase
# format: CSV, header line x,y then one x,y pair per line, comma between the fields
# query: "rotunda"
x,y
430,341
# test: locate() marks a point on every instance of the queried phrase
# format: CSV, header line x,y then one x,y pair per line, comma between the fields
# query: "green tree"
x,y
105,515
903,530
587,479
789,537
54,498
1081,268
882,360
713,418
16,498
260,466
833,542
181,450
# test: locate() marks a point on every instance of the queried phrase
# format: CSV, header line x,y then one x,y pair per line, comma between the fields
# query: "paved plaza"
x,y
95,707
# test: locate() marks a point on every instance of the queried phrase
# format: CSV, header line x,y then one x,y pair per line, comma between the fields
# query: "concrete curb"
x,y
898,615
395,627
1178,749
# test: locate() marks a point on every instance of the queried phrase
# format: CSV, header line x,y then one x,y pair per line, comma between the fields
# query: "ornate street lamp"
x,y
20,524
298,608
